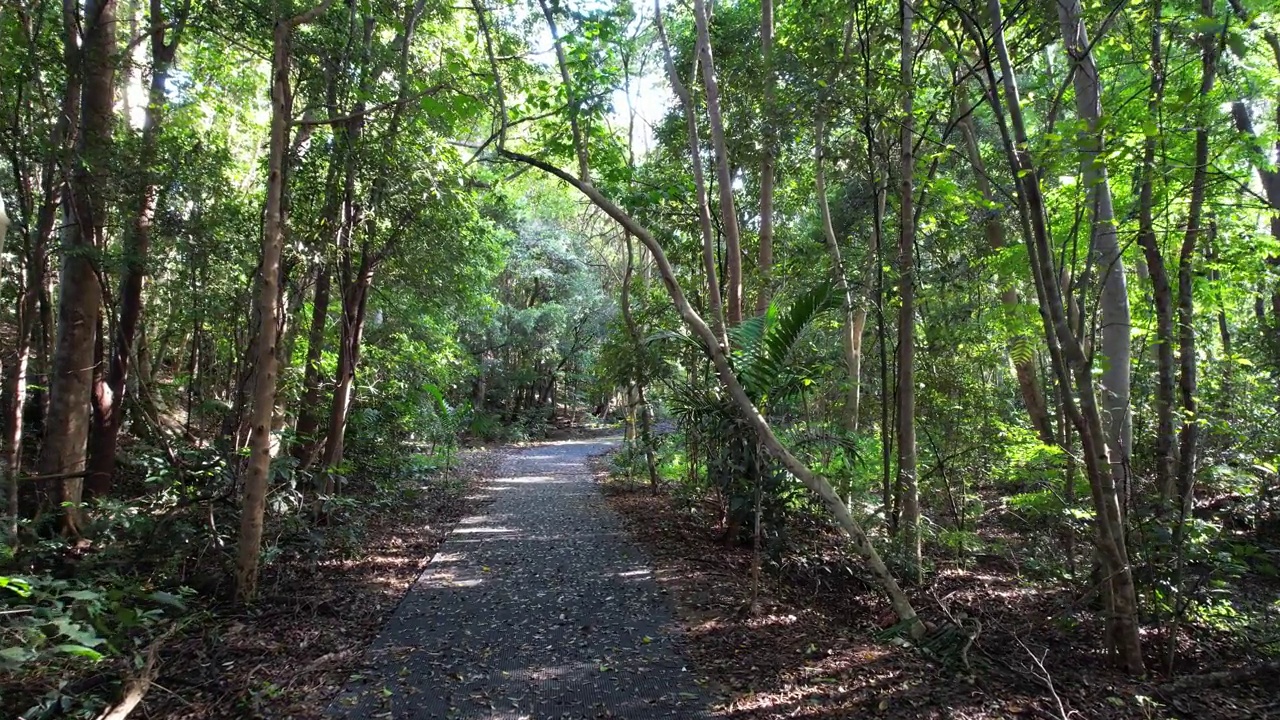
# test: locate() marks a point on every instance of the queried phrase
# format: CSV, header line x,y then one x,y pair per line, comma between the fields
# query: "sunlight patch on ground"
x,y
479,530
449,580
527,480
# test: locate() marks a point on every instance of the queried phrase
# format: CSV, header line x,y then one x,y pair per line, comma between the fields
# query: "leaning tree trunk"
x,y
79,295
724,370
109,392
253,503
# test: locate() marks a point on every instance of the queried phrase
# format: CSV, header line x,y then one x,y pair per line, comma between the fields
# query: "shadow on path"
x,y
538,608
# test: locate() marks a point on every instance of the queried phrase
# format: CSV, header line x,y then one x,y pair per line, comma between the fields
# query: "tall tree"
x,y
724,173
1104,244
907,482
267,303
79,294
109,390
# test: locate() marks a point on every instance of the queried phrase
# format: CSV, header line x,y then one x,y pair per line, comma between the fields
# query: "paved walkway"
x,y
540,608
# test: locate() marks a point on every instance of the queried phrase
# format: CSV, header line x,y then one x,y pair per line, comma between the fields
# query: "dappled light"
x,y
582,359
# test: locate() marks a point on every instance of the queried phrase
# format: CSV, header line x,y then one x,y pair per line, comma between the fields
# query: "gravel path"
x,y
540,608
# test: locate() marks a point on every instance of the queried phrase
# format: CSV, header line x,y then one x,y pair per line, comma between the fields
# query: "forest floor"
x,y
815,648
288,656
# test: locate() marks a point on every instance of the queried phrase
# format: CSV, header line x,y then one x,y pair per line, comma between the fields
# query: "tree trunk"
x,y
1104,243
253,503
815,482
724,175
354,301
109,392
766,164
312,393
29,311
714,302
1070,363
1161,294
79,295
1187,438
851,329
910,524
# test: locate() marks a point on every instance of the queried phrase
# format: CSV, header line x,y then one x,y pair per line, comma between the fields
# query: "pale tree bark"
x,y
724,173
770,138
253,501
715,305
1108,261
724,370
1024,367
79,295
909,526
109,391
851,328
1072,366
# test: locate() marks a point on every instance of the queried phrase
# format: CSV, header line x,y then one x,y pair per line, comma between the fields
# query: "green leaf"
x,y
78,650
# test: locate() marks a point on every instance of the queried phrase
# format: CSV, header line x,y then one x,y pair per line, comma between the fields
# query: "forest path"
x,y
540,607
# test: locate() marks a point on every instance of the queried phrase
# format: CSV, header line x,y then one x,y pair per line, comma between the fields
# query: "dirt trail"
x,y
539,608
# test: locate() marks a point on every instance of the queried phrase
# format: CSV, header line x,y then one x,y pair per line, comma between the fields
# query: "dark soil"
x,y
815,646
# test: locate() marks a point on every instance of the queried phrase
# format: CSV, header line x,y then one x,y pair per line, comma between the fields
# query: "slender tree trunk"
x,y
910,525
253,503
1104,242
110,391
851,329
766,164
29,311
714,302
312,393
646,415
1070,363
354,302
1189,435
724,174
1162,296
724,370
79,295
